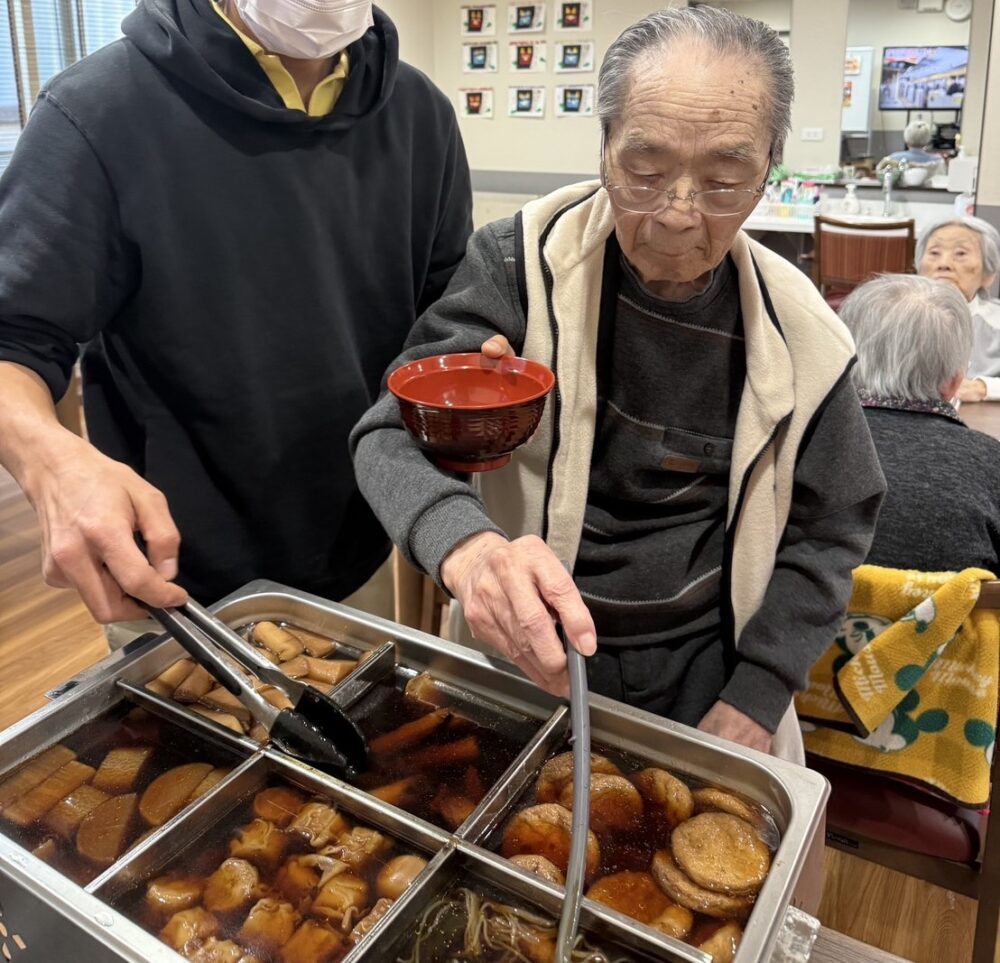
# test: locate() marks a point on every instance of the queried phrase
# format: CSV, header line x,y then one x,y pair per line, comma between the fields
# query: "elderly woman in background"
x,y
966,252
683,465
942,510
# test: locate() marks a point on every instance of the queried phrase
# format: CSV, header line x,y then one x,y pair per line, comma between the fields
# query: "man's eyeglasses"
x,y
726,202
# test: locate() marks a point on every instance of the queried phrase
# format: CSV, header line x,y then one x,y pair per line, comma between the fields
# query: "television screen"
x,y
923,78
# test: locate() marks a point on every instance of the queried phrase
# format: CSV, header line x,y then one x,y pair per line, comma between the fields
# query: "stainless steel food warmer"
x,y
47,918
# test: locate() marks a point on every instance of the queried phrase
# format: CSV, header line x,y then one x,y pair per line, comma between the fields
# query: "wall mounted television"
x,y
923,78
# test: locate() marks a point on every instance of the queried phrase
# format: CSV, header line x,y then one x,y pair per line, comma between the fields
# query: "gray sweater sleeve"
x,y
837,493
425,510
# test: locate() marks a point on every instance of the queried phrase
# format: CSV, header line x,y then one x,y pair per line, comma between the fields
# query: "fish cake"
x,y
680,888
722,853
546,831
720,940
666,797
174,892
558,771
710,800
637,895
615,804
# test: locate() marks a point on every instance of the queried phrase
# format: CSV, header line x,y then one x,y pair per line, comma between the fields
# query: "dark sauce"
x,y
435,787
205,854
123,726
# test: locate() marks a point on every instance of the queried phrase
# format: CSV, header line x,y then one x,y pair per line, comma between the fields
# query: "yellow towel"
x,y
909,687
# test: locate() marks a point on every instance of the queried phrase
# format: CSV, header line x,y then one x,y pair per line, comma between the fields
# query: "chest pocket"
x,y
690,452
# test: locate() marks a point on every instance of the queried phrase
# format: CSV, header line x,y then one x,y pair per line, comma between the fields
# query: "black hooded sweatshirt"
x,y
241,275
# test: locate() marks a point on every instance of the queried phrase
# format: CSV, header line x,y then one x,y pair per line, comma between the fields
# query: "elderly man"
x,y
965,252
240,208
703,465
942,510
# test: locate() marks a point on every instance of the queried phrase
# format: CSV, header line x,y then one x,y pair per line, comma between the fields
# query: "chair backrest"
x,y
848,253
989,595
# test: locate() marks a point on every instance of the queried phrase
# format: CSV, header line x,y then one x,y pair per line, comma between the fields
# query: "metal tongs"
x,y
315,730
579,708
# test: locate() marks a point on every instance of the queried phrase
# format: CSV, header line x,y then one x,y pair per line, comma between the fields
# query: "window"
x,y
38,39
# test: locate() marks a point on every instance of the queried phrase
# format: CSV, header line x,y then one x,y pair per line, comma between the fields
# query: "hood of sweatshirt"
x,y
190,41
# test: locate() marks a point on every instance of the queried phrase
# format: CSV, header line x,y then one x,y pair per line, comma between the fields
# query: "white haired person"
x,y
965,251
942,510
683,465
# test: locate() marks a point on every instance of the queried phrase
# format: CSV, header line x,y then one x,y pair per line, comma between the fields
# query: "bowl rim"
x,y
535,370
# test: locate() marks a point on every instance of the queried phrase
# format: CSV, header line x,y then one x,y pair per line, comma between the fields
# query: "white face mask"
x,y
306,29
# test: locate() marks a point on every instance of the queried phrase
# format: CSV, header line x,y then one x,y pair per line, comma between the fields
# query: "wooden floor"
x,y
46,636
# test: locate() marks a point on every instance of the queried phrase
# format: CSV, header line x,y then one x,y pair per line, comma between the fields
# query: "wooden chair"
x,y
847,253
420,604
977,878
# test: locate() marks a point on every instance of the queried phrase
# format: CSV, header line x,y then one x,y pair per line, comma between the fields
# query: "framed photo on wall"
x,y
575,56
528,56
479,58
574,101
526,102
575,16
526,17
476,102
479,21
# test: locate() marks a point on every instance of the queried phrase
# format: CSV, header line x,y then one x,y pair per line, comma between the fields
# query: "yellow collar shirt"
x,y
323,98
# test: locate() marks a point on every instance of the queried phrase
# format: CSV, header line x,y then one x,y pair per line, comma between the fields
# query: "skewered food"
x,y
319,823
722,853
38,801
260,843
280,641
278,804
231,887
367,923
558,772
169,793
719,940
121,769
65,817
540,867
680,888
189,926
33,773
545,831
637,895
104,833
270,923
172,893
665,795
615,804
312,942
397,874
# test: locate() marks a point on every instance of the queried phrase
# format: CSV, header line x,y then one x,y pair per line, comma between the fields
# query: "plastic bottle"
x,y
851,203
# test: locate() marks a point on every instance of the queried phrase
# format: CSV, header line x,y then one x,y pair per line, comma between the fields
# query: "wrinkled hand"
x,y
728,723
972,390
89,508
497,347
509,592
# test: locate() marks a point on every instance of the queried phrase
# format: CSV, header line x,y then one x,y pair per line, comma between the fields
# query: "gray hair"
x,y
912,334
989,244
724,31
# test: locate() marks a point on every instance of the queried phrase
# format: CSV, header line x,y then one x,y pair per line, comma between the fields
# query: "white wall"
x,y
414,20
558,145
775,13
988,188
880,23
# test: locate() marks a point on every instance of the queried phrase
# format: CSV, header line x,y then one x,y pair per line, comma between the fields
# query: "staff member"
x,y
239,211
704,463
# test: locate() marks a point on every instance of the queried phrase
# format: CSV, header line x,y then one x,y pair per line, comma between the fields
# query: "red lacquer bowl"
x,y
469,412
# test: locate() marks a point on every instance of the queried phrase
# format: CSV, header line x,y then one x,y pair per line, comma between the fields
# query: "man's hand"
x,y
972,390
728,723
509,592
89,509
497,347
